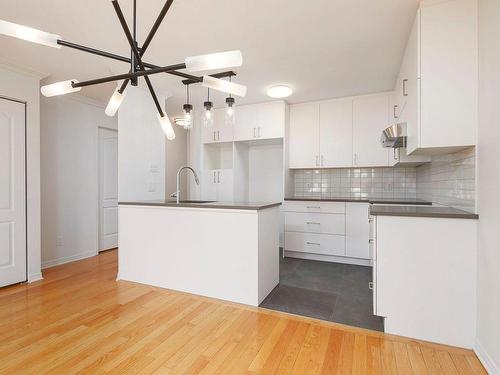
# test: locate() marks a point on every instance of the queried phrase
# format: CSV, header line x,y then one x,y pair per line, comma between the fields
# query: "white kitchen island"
x,y
222,250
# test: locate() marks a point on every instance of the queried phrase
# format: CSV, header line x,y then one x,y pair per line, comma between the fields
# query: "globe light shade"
x,y
59,88
114,102
220,60
166,126
27,33
224,86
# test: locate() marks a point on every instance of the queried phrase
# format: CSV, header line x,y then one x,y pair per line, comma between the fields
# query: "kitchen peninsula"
x,y
226,250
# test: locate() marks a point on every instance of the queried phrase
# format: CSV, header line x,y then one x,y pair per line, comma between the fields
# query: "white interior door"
x,y
108,189
12,193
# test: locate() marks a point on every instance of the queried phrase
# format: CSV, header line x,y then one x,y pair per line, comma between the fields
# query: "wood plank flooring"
x,y
80,320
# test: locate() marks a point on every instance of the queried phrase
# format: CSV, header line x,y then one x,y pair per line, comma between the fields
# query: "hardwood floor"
x,y
80,320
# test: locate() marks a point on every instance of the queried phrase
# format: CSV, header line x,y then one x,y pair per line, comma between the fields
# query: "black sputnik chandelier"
x,y
138,67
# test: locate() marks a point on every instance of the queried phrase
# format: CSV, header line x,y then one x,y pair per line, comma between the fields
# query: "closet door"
x,y
12,193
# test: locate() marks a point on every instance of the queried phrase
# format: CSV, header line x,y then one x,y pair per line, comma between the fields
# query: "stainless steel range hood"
x,y
394,136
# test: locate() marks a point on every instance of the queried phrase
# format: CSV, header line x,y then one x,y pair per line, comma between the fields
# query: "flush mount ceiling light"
x,y
279,91
138,68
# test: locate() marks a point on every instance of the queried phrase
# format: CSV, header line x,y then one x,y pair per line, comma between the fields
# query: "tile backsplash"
x,y
356,183
449,180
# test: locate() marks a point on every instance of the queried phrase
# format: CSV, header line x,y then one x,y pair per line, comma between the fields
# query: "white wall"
x,y
488,324
176,157
69,165
141,148
25,87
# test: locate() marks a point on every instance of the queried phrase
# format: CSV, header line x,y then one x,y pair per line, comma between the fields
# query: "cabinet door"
x,y
370,117
304,135
270,120
209,185
224,180
224,133
245,128
335,128
209,135
357,230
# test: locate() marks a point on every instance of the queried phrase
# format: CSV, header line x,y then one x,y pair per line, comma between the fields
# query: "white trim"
x,y
485,359
22,69
327,258
35,277
71,258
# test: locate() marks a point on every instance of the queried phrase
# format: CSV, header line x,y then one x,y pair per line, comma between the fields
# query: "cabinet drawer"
x,y
314,206
314,243
315,223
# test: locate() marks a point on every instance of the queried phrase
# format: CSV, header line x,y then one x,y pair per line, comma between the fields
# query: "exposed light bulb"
x,y
188,118
27,33
220,60
224,86
166,126
229,117
208,120
114,102
59,88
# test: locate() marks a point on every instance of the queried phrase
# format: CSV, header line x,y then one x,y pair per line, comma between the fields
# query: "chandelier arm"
x,y
140,73
149,38
137,55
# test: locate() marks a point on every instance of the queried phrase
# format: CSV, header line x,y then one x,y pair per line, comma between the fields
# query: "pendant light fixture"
x,y
138,67
187,110
230,115
208,116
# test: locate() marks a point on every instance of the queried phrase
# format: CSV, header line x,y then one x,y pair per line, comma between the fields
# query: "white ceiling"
x,y
322,48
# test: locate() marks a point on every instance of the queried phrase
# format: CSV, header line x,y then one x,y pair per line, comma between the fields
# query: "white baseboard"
x,y
485,359
327,258
35,277
71,258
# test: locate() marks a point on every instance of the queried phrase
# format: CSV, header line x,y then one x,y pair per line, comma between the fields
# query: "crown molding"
x,y
22,69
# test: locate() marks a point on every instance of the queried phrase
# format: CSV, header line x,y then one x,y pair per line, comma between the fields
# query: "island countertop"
x,y
238,205
421,211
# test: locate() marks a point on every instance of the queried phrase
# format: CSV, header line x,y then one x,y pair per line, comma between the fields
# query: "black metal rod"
x,y
156,25
229,73
93,51
137,56
119,77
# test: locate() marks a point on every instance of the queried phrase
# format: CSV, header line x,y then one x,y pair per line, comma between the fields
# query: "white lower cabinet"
x,y
217,185
315,243
357,230
339,229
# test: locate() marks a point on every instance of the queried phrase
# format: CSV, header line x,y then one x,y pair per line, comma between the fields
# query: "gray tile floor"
x,y
329,291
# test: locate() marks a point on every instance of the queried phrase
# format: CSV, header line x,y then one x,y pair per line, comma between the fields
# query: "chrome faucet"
x,y
178,192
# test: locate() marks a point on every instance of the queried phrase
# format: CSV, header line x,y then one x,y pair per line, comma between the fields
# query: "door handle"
x,y
404,87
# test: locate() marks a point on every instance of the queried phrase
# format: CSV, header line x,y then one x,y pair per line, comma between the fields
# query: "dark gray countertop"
x,y
367,200
204,204
421,211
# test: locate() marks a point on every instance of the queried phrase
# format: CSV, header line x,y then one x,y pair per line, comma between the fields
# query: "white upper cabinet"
x,y
260,121
219,132
304,135
370,117
335,128
441,109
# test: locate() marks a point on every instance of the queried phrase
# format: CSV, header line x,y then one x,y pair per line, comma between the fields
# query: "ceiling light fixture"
x,y
180,121
138,68
230,115
279,91
187,109
208,118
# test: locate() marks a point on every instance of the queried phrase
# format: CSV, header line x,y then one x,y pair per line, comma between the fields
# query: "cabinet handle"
x,y
370,285
355,159
213,135
321,160
258,132
394,151
214,177
313,207
218,177
394,111
218,135
370,241
317,160
254,132
313,243
404,87
312,223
